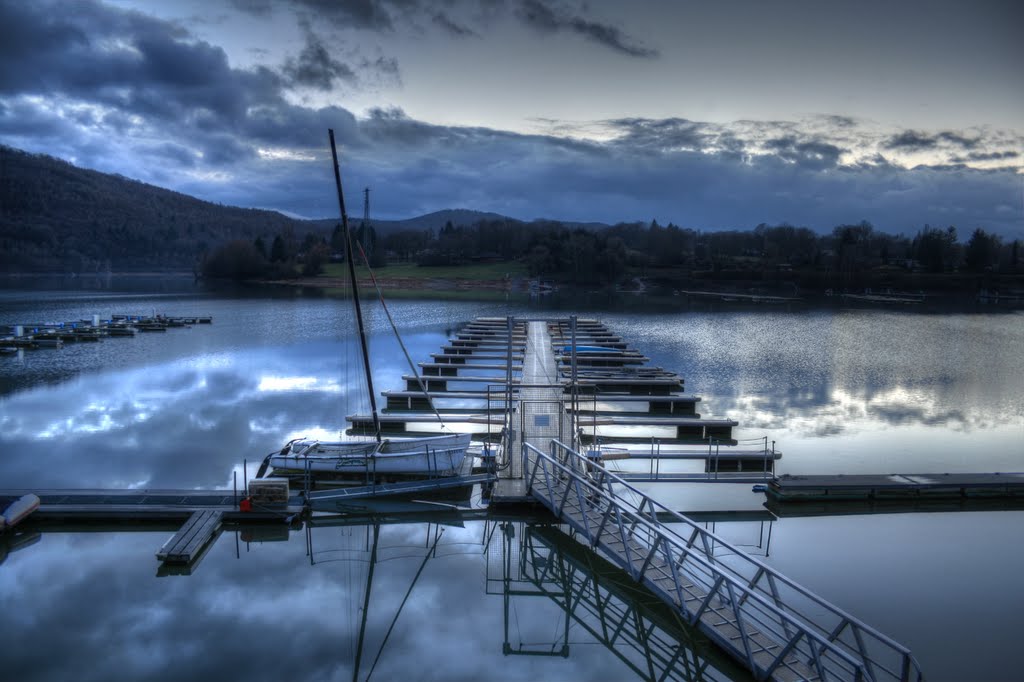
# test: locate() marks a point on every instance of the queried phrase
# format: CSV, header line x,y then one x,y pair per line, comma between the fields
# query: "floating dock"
x,y
895,487
198,532
496,374
34,335
198,515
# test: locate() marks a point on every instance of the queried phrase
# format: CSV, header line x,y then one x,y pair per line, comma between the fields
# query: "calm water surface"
x,y
839,391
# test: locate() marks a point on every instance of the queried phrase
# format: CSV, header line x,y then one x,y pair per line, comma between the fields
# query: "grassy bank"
x,y
486,272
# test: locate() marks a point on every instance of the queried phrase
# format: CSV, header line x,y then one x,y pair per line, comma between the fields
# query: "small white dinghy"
x,y
432,455
16,511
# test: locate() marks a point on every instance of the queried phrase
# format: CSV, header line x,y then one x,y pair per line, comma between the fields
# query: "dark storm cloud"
x,y
258,8
368,14
451,26
917,141
380,69
457,19
662,134
911,140
315,68
959,140
127,61
22,119
551,19
837,121
178,155
992,156
813,154
116,72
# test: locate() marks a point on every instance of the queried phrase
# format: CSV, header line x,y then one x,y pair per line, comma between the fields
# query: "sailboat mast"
x,y
349,257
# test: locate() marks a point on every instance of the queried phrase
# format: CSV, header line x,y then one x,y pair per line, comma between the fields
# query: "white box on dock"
x,y
269,490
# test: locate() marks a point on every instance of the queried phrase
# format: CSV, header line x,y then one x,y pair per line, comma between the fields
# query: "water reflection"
x,y
389,597
841,392
854,391
601,600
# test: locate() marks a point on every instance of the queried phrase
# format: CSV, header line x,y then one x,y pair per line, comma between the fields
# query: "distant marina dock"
x,y
35,335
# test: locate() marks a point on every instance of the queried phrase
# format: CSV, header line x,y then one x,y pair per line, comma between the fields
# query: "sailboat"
x,y
426,456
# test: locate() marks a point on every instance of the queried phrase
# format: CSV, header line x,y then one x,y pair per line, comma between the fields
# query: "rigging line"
x,y
347,351
394,327
355,286
404,599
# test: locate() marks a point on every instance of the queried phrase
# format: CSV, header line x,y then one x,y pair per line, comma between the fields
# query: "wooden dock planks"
x,y
186,545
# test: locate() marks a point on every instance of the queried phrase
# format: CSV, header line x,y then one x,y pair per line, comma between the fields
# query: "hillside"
x,y
57,217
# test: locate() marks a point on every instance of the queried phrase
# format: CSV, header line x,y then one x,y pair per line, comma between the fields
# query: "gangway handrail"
x,y
794,624
789,621
721,541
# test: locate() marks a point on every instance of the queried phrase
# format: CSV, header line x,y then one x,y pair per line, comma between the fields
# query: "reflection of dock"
x,y
604,602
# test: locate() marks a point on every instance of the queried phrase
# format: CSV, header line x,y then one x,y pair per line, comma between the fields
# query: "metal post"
x,y
507,445
573,385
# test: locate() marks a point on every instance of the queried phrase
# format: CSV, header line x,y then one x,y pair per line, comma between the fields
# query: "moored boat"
x,y
425,456
436,455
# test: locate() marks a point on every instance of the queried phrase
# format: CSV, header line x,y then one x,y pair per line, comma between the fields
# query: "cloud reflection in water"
x,y
272,614
184,423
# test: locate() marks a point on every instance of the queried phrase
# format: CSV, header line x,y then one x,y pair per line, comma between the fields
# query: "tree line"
x,y
849,256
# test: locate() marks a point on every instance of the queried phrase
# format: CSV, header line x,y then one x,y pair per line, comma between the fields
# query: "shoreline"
x,y
652,291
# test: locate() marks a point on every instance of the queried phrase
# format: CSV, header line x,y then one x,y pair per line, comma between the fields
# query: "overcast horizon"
x,y
710,116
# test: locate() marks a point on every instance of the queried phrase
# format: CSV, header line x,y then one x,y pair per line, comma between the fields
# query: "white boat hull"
x,y
432,456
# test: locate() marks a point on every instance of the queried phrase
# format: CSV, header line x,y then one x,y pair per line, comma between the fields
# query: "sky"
x,y
708,115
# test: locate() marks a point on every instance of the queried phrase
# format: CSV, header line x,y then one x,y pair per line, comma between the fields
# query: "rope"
x,y
394,327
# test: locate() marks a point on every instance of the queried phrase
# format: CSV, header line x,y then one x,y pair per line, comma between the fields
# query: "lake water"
x,y
838,391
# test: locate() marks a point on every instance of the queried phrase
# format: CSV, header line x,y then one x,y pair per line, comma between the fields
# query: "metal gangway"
x,y
769,623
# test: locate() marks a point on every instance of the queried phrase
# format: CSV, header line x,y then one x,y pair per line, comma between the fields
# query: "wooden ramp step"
x,y
192,537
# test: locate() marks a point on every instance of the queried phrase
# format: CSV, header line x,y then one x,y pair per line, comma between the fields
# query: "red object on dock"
x,y
245,505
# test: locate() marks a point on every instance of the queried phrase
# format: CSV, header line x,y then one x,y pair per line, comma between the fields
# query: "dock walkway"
x,y
540,417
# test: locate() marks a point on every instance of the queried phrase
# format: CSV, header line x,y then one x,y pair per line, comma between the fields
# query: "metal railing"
x,y
767,621
713,470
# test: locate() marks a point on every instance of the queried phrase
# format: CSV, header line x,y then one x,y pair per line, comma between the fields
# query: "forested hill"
x,y
57,217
